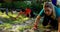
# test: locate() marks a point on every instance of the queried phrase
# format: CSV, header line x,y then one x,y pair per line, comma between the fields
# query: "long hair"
x,y
51,6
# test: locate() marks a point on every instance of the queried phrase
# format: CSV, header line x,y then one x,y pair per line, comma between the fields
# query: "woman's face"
x,y
48,11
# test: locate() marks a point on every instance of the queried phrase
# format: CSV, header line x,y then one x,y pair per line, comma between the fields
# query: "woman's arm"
x,y
29,15
19,14
36,22
59,24
38,18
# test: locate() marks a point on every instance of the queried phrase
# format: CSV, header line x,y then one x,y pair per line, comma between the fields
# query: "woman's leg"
x,y
19,14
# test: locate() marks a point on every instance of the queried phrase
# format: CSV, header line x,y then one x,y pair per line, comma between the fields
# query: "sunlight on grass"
x,y
25,18
6,26
8,21
20,28
4,16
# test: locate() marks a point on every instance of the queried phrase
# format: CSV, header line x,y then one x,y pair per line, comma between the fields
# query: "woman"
x,y
26,12
49,12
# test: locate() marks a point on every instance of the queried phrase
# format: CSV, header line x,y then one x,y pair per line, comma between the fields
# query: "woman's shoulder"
x,y
57,10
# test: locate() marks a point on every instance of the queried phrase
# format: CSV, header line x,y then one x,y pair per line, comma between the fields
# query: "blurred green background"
x,y
36,5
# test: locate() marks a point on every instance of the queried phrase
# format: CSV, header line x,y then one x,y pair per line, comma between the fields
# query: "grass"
x,y
8,20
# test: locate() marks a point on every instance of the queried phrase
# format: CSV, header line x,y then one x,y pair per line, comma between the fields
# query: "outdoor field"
x,y
29,15
21,24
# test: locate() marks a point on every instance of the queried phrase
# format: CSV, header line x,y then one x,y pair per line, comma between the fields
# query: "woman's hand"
x,y
35,26
36,22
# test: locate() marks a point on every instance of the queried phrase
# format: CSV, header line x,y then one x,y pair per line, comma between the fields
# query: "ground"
x,y
21,24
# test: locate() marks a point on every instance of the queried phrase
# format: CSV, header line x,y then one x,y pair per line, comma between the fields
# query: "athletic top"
x,y
57,11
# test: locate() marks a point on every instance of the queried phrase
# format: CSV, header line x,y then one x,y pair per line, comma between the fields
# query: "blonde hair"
x,y
51,5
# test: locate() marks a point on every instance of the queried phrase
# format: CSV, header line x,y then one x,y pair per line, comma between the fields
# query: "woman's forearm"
x,y
37,20
59,24
29,15
18,14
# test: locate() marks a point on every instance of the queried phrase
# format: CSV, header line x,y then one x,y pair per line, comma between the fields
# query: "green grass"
x,y
9,20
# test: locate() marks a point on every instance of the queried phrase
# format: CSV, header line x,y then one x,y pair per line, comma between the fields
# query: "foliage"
x,y
35,6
